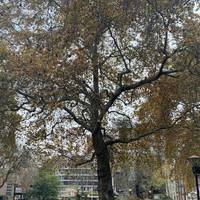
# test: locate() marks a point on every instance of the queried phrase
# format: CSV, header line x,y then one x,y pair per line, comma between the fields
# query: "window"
x,y
9,190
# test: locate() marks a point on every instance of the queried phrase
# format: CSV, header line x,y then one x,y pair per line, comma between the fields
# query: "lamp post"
x,y
195,161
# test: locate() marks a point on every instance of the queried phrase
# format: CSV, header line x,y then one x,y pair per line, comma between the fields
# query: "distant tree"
x,y
46,186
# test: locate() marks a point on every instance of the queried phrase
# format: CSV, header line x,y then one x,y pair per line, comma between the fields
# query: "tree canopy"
x,y
10,157
78,66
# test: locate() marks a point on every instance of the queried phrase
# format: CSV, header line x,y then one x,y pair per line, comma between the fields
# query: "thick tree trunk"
x,y
103,167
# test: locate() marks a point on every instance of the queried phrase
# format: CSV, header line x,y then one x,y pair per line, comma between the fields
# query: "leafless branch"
x,y
122,114
121,55
86,161
77,163
121,141
138,84
76,119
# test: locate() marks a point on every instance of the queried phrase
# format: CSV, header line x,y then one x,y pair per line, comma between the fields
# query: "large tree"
x,y
10,156
79,65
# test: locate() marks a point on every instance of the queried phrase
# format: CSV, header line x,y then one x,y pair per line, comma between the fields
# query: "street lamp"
x,y
195,161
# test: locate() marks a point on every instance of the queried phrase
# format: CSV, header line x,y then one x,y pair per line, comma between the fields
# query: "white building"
x,y
77,181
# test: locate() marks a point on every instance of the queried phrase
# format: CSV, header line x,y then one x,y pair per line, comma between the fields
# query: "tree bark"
x,y
105,189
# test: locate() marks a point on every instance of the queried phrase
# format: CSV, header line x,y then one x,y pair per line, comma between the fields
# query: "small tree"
x,y
46,187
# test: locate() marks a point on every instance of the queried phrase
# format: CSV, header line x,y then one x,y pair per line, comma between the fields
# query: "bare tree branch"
x,y
121,141
138,84
122,114
121,55
76,119
86,161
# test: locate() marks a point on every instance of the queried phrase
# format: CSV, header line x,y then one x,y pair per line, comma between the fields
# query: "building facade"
x,y
81,181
